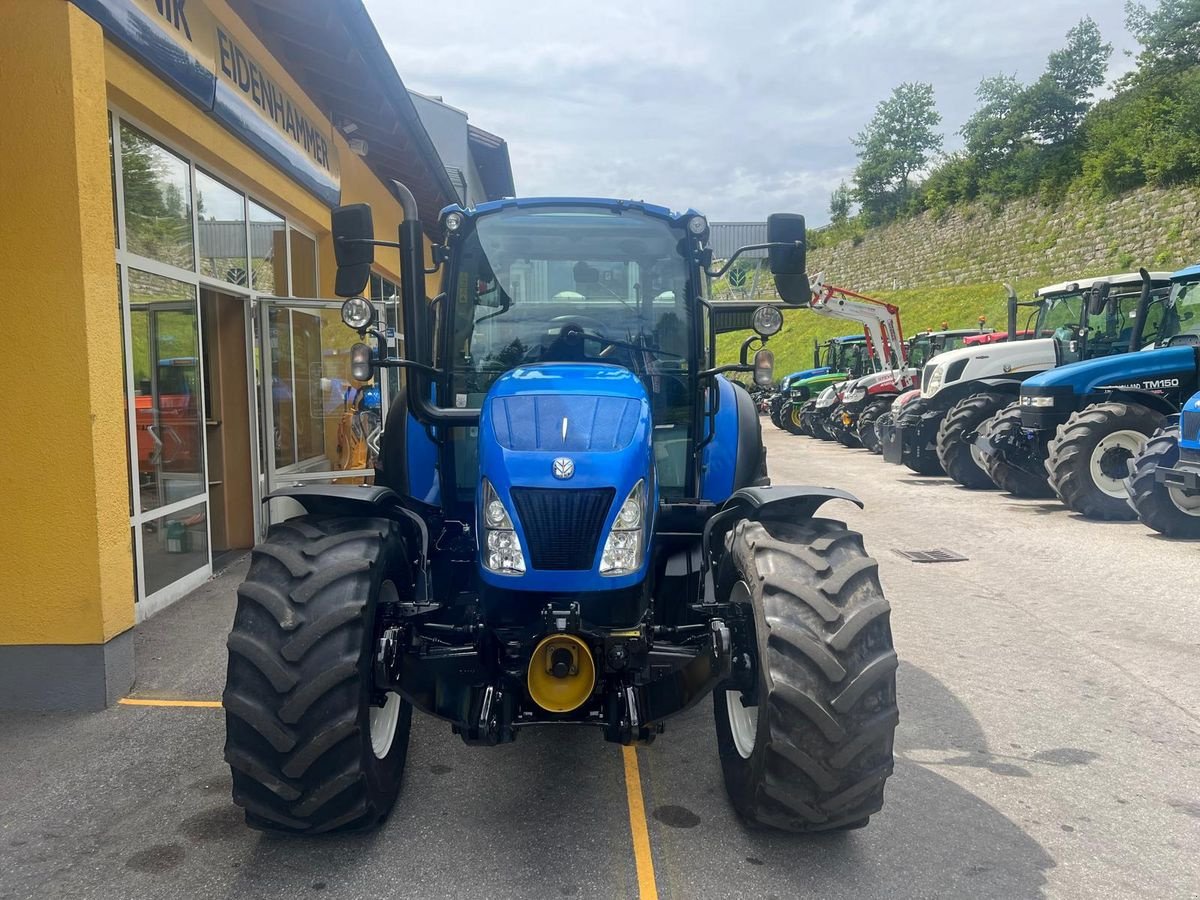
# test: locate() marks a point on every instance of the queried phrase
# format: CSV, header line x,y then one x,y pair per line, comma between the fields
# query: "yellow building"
x,y
166,173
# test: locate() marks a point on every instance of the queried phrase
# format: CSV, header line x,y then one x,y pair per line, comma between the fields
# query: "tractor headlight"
x,y
854,395
501,551
624,547
697,225
936,379
358,313
1039,402
827,398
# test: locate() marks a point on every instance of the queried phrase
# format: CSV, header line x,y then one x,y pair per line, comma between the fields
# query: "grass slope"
x,y
921,309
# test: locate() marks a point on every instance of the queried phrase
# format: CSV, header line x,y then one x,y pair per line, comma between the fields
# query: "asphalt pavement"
x,y
1049,745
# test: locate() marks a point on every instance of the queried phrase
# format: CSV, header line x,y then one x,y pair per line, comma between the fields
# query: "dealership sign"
x,y
184,42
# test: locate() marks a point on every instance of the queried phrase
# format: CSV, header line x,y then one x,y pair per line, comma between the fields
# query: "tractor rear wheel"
x,y
866,423
814,748
1089,457
312,745
956,436
1167,510
1006,476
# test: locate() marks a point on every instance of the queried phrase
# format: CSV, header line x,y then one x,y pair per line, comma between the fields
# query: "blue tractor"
x,y
1075,428
1164,479
571,524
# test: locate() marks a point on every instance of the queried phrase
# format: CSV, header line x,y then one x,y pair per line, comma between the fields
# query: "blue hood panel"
x,y
608,440
1084,377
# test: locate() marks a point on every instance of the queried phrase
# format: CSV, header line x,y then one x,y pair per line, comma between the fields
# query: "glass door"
x,y
317,423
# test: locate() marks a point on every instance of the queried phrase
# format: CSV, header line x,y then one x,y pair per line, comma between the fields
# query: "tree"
x,y
992,131
897,143
1169,35
1056,103
839,204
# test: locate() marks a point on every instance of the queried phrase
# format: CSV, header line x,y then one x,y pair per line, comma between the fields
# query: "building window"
x,y
304,265
157,193
221,222
268,252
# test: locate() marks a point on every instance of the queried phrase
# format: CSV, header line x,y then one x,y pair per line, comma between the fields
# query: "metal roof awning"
x,y
491,159
332,50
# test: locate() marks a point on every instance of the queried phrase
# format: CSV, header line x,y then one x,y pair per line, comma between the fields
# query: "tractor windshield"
x,y
585,284
920,351
1059,317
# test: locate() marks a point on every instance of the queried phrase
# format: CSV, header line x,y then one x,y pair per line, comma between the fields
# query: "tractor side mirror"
x,y
788,262
353,247
1098,298
764,367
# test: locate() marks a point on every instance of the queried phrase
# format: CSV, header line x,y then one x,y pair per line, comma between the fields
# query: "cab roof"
x,y
491,206
1190,273
1126,279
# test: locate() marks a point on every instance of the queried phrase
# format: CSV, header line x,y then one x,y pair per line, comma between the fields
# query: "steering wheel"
x,y
585,323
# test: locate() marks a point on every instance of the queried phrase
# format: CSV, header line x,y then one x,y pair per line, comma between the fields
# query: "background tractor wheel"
x,y
790,419
866,423
842,433
1089,457
1005,476
955,451
1167,510
312,746
814,752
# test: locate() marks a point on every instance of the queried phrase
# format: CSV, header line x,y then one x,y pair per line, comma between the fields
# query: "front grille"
x,y
562,526
1189,426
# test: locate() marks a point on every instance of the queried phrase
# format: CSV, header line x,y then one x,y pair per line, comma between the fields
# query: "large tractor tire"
x,y
312,745
1004,475
790,419
818,423
814,752
957,433
1089,458
1167,510
866,423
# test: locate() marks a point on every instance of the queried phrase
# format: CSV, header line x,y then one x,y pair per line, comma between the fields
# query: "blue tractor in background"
x,y
1075,428
1164,479
571,524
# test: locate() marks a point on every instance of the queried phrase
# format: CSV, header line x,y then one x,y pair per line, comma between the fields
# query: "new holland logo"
x,y
1149,385
564,468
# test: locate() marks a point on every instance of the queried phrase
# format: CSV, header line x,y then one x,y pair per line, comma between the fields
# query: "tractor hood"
x,y
562,446
1149,370
1014,359
789,380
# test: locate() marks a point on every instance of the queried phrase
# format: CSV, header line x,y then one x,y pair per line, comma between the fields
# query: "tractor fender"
x,y
1147,399
791,502
368,501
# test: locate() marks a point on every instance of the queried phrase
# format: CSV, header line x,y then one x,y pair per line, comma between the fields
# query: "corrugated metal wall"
x,y
725,237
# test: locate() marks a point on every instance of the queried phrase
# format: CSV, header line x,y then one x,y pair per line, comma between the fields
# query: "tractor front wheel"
x,y
312,745
1089,457
844,434
1166,509
956,437
866,424
790,419
1004,474
805,737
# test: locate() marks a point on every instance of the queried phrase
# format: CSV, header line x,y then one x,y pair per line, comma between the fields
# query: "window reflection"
x,y
158,200
268,252
174,546
221,221
166,389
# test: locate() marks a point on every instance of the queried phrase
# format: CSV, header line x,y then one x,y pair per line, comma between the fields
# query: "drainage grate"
x,y
932,556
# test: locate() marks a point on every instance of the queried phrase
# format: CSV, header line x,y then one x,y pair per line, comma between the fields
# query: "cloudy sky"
x,y
735,109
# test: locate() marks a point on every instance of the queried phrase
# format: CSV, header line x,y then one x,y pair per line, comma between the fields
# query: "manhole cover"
x,y
932,556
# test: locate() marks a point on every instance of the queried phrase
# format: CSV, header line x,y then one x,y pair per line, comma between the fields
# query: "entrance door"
x,y
318,424
169,505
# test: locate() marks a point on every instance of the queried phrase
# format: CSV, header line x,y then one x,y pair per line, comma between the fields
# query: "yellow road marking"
x,y
138,701
647,888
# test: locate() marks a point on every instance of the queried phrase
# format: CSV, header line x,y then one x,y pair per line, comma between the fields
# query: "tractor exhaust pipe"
x,y
1012,312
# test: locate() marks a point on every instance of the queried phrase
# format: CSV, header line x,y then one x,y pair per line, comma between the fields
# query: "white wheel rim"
x,y
743,720
743,723
383,720
1189,506
977,456
1132,443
